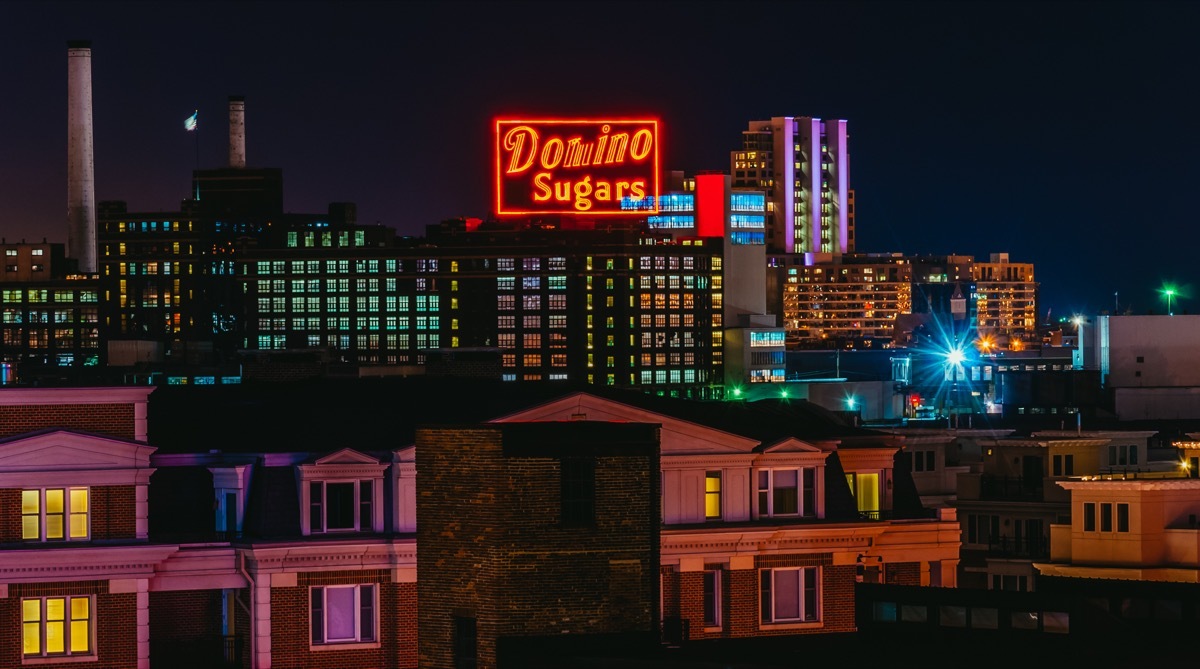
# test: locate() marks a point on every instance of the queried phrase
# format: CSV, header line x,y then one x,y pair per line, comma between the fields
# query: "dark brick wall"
x,y
113,512
185,628
115,619
903,573
493,548
116,420
10,515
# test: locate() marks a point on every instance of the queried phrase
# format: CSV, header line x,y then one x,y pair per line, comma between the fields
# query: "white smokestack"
x,y
81,173
237,131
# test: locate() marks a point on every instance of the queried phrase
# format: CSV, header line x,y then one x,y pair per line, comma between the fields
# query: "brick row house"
x,y
276,543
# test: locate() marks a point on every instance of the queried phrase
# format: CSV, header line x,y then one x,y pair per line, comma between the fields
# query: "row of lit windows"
x,y
152,226
760,339
672,359
671,221
88,315
534,282
12,253
278,342
669,262
41,295
326,238
532,264
59,338
531,322
360,266
531,302
359,323
667,300
389,284
392,303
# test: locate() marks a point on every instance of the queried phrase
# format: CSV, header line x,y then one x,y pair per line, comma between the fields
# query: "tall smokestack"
x,y
81,172
237,131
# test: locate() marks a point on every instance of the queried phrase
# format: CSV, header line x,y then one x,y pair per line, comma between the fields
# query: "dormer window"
x,y
54,514
341,506
342,492
787,492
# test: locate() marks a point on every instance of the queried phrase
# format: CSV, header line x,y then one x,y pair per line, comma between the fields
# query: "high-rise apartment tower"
x,y
803,165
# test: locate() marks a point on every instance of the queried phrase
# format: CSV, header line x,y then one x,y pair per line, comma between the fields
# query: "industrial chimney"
x,y
81,174
237,131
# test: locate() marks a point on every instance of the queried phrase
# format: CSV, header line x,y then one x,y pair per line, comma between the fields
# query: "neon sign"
x,y
577,167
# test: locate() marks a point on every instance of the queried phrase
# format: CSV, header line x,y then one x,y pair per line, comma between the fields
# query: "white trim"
x,y
197,568
82,563
92,478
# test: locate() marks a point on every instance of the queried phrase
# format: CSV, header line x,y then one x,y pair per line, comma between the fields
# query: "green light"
x,y
783,393
1170,292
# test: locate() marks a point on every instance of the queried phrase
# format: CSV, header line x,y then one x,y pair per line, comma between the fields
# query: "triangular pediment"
x,y
678,437
793,445
346,456
65,450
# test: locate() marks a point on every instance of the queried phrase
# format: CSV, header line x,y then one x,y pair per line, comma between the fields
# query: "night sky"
x,y
1061,133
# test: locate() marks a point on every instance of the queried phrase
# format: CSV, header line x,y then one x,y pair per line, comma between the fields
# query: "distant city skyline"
x,y
1056,132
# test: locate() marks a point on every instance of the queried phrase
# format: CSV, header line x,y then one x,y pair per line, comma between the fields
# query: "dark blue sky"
x,y
1062,133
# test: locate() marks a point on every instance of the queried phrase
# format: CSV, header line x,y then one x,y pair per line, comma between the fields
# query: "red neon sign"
x,y
578,167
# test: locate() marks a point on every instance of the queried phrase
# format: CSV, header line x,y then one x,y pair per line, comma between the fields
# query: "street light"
x,y
1170,293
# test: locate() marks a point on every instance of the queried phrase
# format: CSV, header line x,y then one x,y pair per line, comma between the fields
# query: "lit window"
x,y
343,614
712,495
789,595
56,626
54,514
340,506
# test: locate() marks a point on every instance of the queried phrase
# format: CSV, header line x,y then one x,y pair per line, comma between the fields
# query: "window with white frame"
x,y
56,627
344,614
340,506
55,514
712,495
790,595
787,492
712,598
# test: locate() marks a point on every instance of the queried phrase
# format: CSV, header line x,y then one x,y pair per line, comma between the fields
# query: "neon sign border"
x,y
656,190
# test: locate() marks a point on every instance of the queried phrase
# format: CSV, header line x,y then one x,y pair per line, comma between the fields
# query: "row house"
x,y
1010,499
768,520
736,520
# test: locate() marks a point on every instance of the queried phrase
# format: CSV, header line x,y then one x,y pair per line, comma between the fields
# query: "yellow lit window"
x,y
56,626
31,514
712,495
54,514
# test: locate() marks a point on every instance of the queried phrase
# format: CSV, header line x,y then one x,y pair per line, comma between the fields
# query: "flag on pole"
x,y
190,123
